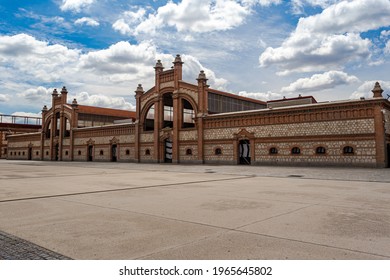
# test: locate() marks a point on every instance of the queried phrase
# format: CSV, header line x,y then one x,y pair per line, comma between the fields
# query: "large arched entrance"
x,y
244,152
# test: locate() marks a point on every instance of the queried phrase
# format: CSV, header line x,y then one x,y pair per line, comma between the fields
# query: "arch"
x,y
348,150
67,127
320,150
188,113
273,151
295,150
168,116
47,129
148,120
218,151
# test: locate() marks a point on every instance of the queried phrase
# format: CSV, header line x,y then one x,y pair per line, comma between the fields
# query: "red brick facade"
x,y
180,122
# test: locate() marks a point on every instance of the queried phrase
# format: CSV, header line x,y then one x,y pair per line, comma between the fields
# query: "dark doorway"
x,y
168,151
114,152
388,155
56,151
29,153
244,152
90,153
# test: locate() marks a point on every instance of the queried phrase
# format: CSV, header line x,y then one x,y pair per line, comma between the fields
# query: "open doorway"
x,y
244,152
29,154
168,151
56,151
90,153
114,152
388,155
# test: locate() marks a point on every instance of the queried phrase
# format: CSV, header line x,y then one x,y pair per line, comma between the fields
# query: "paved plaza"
x,y
60,210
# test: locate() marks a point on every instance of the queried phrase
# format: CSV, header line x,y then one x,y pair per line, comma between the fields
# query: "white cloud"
x,y
40,93
24,54
385,34
365,89
329,39
4,97
387,47
75,5
27,114
264,96
122,61
125,25
298,6
265,3
320,82
87,21
99,100
27,63
189,15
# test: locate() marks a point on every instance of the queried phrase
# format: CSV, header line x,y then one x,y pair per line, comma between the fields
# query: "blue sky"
x,y
265,49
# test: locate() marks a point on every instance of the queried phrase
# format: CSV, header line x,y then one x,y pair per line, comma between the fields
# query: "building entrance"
x,y
114,152
56,151
90,153
168,151
29,153
244,152
388,155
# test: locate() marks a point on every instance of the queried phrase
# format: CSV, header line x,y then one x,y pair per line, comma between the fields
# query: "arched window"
x,y
66,153
79,153
58,124
149,119
273,151
147,152
218,151
47,153
48,130
67,128
127,152
320,150
188,152
101,152
37,153
348,150
168,110
295,151
188,115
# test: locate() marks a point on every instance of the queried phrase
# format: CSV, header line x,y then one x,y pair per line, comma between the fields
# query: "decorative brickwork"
x,y
173,124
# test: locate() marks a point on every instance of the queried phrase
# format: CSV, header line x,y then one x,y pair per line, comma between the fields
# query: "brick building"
x,y
180,122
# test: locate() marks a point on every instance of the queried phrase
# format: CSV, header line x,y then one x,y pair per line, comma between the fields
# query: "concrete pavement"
x,y
159,211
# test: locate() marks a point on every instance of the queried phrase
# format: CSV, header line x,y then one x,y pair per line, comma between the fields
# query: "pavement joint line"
x,y
97,166
123,189
226,230
276,216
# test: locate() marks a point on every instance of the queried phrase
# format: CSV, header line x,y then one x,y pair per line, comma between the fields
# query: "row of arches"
x,y
57,124
187,114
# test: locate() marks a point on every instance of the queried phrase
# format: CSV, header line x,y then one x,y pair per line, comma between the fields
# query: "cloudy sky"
x,y
266,49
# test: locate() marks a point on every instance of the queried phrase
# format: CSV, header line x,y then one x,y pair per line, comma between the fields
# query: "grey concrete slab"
x,y
242,245
161,211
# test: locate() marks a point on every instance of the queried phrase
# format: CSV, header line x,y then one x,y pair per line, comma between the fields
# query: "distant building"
x,y
180,122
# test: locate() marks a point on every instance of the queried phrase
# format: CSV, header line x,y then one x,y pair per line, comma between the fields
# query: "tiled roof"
x,y
106,112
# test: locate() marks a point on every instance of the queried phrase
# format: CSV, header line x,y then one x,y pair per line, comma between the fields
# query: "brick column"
x,y
380,143
176,124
